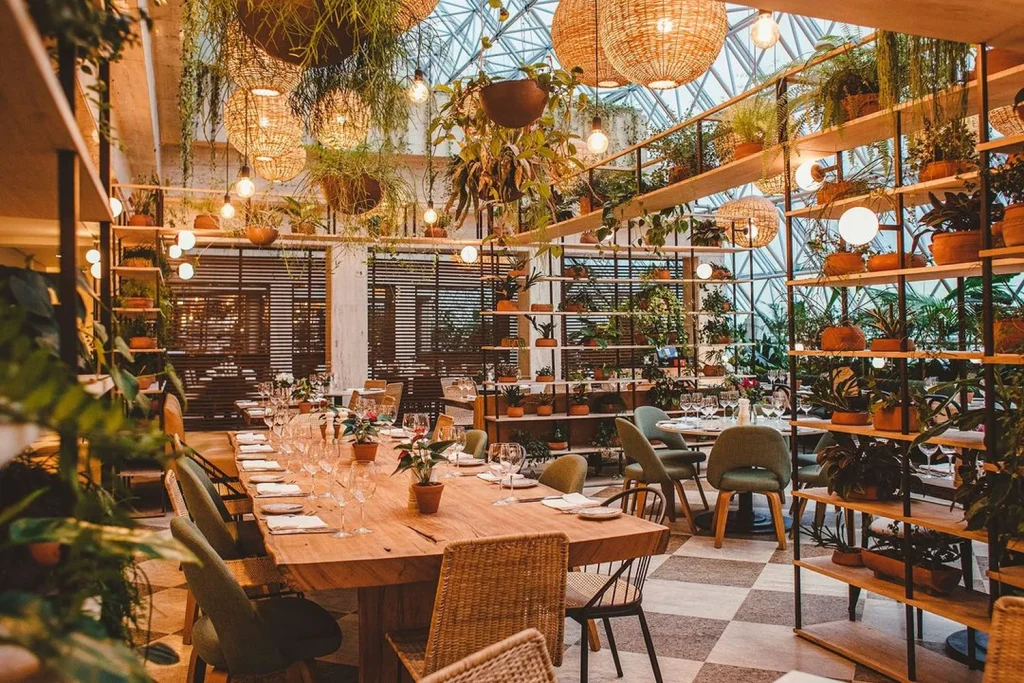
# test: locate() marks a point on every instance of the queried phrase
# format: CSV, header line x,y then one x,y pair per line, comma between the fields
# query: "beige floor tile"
x,y
168,611
175,673
636,668
889,617
732,549
693,599
779,577
777,648
161,573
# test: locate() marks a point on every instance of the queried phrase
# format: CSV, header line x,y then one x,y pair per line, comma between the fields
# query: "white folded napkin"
x,y
493,478
255,412
394,432
250,437
260,465
252,456
277,522
272,489
255,448
571,501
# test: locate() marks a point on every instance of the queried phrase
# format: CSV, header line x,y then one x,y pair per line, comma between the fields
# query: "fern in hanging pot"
x,y
754,122
843,87
263,223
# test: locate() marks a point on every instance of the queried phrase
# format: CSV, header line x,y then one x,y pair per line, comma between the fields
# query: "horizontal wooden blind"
x,y
245,316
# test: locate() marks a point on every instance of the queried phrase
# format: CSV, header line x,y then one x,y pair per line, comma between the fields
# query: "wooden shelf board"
x,y
1011,576
151,273
885,652
37,123
557,417
889,277
969,608
644,384
1008,145
950,355
1004,359
885,200
136,311
953,437
1003,252
627,280
610,347
598,314
137,351
584,250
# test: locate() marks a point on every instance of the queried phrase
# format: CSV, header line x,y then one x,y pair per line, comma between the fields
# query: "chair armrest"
x,y
252,572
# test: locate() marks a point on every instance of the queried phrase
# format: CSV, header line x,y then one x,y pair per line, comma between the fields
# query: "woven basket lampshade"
x,y
283,168
756,221
252,69
573,35
662,43
261,126
774,185
414,12
343,120
1005,120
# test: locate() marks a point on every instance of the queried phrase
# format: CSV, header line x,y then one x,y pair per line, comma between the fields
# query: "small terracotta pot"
x,y
661,274
507,305
843,263
365,452
745,149
542,308
843,338
723,340
545,378
935,581
45,554
1009,335
678,174
999,60
141,343
558,445
577,272
305,407
437,233
545,342
881,262
713,370
851,419
575,308
600,374
138,302
261,235
579,409
508,379
868,493
889,345
512,342
591,343
513,104
1013,225
428,496
956,247
943,169
515,411
838,189
847,559
145,381
855,106
205,221
891,419
141,219
545,410
589,237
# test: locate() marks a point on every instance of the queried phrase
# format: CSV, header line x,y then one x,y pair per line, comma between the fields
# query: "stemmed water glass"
x,y
709,406
362,482
337,493
310,463
327,460
511,457
730,400
950,453
779,403
929,449
458,435
386,414
409,423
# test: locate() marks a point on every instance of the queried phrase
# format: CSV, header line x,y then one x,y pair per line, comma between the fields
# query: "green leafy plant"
x,y
705,233
592,333
885,320
363,431
579,394
849,73
605,435
536,449
134,326
957,212
544,398
918,68
305,217
143,201
507,370
558,434
928,548
680,153
1007,180
578,297
852,466
301,390
837,392
545,329
951,141
510,286
659,315
420,457
830,538
717,330
145,254
715,302
754,119
513,395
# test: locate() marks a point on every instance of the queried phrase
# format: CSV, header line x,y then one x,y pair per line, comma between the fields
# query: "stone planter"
x,y
935,581
956,247
843,338
851,419
428,496
364,452
843,263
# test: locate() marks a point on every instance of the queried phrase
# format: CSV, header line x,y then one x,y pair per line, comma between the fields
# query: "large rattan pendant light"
x,y
574,37
343,120
282,168
755,219
262,127
1005,120
252,69
662,43
415,11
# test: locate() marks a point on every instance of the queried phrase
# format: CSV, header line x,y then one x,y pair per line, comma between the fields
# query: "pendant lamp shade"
x,y
414,12
342,120
756,221
1006,122
262,127
573,35
282,168
662,43
252,69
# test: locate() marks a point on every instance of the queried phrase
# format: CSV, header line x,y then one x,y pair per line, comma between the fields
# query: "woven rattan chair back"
x,y
442,430
493,588
521,658
1005,658
395,389
174,494
375,384
353,400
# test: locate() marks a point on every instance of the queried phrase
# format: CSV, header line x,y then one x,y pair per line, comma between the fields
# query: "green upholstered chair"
x,y
566,474
675,451
243,637
648,468
749,459
809,476
476,443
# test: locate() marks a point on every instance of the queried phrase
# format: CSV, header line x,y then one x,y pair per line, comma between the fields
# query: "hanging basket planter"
x,y
513,104
855,106
288,37
351,196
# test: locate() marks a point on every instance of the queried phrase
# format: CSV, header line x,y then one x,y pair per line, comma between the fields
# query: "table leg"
x,y
383,610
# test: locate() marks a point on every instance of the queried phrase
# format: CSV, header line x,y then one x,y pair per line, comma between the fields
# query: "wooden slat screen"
x,y
245,316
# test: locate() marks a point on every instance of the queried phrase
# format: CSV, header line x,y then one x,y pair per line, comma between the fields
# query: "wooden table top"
x,y
395,553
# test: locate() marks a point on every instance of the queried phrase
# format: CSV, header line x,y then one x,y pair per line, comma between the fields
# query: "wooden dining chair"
x,y
375,384
522,658
443,427
353,400
490,589
395,389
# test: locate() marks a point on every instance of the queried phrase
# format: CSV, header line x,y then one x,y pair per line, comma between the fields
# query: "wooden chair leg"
x,y
721,516
641,500
196,668
627,484
669,492
700,490
775,503
687,512
593,637
191,614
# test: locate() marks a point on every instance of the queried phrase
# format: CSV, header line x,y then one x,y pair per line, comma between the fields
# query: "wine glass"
x,y
929,450
386,414
362,482
421,424
327,459
458,435
337,494
709,406
311,465
269,415
779,404
511,456
950,452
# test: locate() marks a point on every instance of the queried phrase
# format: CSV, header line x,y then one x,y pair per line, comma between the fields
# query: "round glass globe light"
x,y
858,225
186,270
245,187
227,210
116,207
805,176
878,363
597,142
469,254
96,270
704,271
418,91
174,251
92,256
765,31
186,240
430,216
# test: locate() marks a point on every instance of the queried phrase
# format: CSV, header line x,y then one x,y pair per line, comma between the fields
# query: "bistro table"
x,y
395,569
744,519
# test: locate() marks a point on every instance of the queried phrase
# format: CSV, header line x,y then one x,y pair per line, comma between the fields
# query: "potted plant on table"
x,y
547,333
891,261
544,403
955,224
559,440
861,469
839,392
136,331
515,400
604,371
844,553
263,223
364,433
301,392
546,374
1008,183
941,151
420,458
930,553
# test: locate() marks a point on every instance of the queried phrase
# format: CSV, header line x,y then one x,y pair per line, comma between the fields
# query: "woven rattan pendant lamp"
x,y
573,37
662,43
252,69
756,221
282,168
261,127
343,120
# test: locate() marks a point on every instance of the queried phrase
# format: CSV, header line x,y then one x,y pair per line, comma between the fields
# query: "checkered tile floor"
x,y
721,615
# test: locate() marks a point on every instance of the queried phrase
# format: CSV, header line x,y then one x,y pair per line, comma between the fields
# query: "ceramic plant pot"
x,y
843,338
847,559
515,411
956,247
428,496
513,104
589,237
545,411
713,370
138,302
305,407
45,554
351,196
843,263
881,262
889,345
838,189
508,379
365,452
205,221
141,220
891,419
1013,225
943,169
436,233
851,419
542,308
545,342
145,381
579,409
261,235
745,149
558,445
141,343
507,305
855,106
866,493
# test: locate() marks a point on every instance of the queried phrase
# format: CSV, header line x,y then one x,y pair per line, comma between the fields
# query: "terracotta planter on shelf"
x,y
261,235
843,263
851,419
145,381
577,272
1009,335
838,189
506,305
888,345
558,445
205,221
515,411
589,237
579,409
512,342
545,342
138,302
351,196
513,104
881,262
999,60
508,379
600,375
855,106
545,378
364,452
305,407
437,233
661,274
545,411
137,263
141,343
936,581
428,496
713,370
843,338
870,492
542,308
575,308
591,343
678,174
1013,225
956,247
141,220
745,149
891,419
45,553
847,558
943,169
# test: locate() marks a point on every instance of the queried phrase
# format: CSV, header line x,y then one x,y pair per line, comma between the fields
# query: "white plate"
x,y
520,483
281,508
493,478
599,513
468,462
266,478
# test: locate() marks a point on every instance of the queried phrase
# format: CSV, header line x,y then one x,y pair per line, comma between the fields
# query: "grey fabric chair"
x,y
476,443
648,468
676,451
749,459
243,637
809,476
566,474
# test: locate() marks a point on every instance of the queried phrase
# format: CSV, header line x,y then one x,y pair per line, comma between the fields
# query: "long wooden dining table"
x,y
395,569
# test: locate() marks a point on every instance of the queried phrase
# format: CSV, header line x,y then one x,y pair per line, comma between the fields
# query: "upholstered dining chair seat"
x,y
810,475
581,587
750,479
681,455
675,471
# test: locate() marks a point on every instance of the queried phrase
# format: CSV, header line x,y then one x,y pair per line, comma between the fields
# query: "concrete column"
x,y
348,317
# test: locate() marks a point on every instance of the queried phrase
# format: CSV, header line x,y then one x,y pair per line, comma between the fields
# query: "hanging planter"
x,y
261,235
514,104
351,196
855,106
287,38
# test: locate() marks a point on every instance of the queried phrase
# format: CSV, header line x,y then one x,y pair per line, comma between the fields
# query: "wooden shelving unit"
x,y
884,201
1008,145
891,277
868,353
952,437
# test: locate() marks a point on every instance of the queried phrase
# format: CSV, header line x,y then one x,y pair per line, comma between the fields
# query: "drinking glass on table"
x,y
362,482
950,452
327,459
338,495
386,414
511,457
421,424
780,402
310,463
730,400
458,436
709,406
929,450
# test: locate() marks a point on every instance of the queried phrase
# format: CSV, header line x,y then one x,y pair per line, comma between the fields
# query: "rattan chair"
x,y
615,589
375,384
353,400
521,658
490,589
395,389
1005,658
443,427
